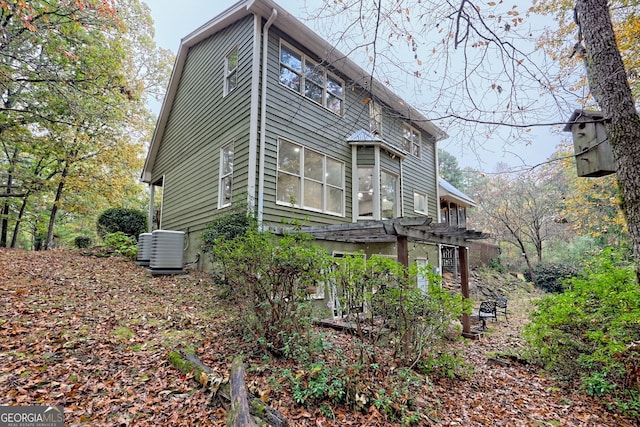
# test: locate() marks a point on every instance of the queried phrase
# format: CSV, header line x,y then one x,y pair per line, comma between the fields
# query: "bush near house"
x,y
130,222
590,332
271,277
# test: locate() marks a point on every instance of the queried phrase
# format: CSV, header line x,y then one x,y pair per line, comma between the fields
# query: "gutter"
x,y
263,114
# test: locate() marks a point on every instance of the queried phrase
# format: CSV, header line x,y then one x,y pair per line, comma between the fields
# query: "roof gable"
x,y
296,29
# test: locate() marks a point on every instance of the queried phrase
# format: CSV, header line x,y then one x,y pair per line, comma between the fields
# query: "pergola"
x,y
402,231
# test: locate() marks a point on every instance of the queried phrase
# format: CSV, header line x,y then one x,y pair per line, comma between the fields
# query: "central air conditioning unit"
x,y
167,249
144,249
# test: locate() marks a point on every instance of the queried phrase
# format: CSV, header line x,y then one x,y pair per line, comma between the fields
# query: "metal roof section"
x,y
448,190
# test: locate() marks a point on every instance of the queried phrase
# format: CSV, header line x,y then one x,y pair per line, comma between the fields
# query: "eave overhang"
x,y
296,29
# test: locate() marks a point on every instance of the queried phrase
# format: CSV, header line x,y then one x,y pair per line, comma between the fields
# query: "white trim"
x,y
222,175
152,194
376,183
227,72
326,74
355,208
263,114
396,210
254,107
300,201
426,202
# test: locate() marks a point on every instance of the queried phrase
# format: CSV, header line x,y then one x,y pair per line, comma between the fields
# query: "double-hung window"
x,y
309,179
308,78
375,118
231,71
226,176
411,140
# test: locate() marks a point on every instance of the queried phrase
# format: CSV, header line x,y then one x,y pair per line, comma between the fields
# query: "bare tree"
x,y
476,64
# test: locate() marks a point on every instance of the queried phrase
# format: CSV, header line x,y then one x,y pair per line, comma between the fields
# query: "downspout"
x,y
263,114
253,117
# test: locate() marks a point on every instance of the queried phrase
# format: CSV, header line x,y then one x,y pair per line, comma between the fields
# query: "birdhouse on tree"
x,y
594,157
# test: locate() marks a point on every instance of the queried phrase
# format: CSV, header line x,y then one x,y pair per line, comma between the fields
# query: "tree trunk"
x,y
610,88
54,207
239,415
6,208
16,227
191,364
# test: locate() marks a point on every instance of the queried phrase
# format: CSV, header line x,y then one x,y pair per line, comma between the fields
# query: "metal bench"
x,y
487,310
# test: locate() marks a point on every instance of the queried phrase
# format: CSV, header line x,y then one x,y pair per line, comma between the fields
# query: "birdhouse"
x,y
593,153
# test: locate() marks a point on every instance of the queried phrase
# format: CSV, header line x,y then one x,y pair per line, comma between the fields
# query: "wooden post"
x,y
464,282
402,243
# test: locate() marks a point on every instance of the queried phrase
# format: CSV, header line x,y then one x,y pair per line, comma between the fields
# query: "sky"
x,y
174,20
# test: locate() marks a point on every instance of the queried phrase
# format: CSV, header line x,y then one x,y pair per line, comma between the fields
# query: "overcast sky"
x,y
175,19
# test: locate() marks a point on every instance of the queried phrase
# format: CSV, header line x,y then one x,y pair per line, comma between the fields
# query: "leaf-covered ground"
x,y
92,334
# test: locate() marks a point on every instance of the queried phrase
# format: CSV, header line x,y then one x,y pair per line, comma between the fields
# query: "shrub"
x,y
270,277
549,277
83,242
130,222
122,244
583,333
227,227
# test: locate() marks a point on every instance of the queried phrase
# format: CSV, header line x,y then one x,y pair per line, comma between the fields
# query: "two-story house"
x,y
262,112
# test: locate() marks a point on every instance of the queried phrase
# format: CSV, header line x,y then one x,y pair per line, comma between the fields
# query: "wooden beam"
x,y
464,282
403,250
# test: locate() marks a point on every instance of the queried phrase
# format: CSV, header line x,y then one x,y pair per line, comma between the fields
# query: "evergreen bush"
x,y
130,222
549,277
82,242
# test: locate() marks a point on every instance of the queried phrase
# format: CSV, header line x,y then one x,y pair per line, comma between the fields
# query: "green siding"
x,y
302,121
201,121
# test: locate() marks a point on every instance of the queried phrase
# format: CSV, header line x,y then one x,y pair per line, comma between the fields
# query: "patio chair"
x,y
501,307
486,311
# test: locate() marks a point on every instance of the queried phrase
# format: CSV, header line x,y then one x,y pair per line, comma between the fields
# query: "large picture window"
x,y
411,140
231,71
309,179
301,74
226,175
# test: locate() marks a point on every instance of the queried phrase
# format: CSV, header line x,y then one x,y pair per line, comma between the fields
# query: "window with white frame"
x,y
231,71
375,118
226,175
420,202
301,74
411,140
309,179
388,195
365,192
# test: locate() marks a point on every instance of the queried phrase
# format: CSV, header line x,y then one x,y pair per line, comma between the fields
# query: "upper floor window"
x,y
375,118
309,179
226,176
411,140
231,71
420,202
310,79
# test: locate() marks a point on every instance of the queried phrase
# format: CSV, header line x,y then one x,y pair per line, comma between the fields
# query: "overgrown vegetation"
x,y
130,222
398,326
82,242
587,333
122,244
550,277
